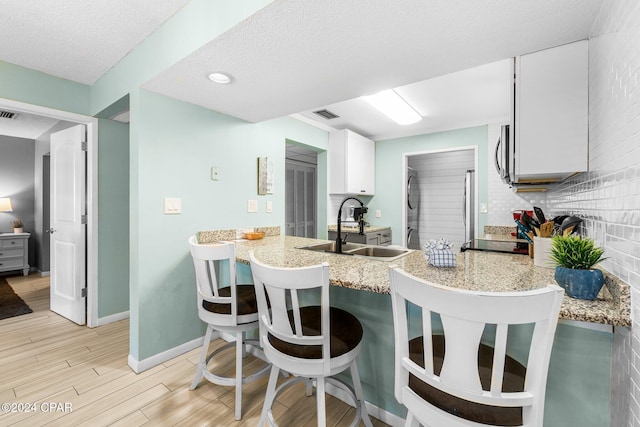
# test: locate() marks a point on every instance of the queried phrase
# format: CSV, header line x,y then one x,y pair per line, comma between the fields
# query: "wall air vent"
x,y
326,114
7,114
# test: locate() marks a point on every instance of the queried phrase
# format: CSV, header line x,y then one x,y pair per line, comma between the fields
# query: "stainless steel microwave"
x,y
505,155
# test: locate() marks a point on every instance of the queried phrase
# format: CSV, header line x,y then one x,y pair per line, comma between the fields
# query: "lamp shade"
x,y
5,204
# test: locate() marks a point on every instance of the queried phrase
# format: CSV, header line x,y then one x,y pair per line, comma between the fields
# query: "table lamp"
x,y
5,204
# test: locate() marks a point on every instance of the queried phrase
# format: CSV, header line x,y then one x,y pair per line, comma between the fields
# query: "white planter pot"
x,y
17,230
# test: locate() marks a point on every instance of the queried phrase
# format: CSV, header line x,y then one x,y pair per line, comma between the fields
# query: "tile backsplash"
x,y
608,196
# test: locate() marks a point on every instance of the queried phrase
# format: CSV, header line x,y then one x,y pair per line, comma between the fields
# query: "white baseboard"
x,y
113,318
373,410
155,360
45,273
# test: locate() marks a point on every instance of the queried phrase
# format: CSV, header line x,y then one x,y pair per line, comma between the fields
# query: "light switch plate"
x,y
483,208
172,205
378,213
269,208
215,173
252,205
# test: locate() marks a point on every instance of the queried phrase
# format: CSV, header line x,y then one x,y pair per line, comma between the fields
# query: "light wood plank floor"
x,y
73,375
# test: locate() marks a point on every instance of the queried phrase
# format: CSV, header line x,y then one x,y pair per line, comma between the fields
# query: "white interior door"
x,y
68,233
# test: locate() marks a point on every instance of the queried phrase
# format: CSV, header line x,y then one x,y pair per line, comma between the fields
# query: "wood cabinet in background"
x,y
352,161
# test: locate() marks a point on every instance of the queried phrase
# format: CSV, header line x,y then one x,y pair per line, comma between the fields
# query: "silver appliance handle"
x,y
464,204
498,167
411,178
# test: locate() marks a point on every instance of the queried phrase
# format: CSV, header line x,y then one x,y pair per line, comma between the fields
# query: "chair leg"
x,y
320,398
357,387
411,420
239,355
271,392
244,347
308,387
203,358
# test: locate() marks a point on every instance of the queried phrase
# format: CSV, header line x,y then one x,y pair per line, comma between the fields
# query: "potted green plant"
x,y
575,257
18,226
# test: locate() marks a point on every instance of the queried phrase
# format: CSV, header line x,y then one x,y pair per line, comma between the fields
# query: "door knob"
x,y
50,230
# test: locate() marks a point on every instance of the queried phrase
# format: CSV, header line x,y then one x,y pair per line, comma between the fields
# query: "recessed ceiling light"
x,y
389,103
221,78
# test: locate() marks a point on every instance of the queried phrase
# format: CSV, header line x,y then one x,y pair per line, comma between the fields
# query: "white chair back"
x,y
208,288
464,315
277,294
226,307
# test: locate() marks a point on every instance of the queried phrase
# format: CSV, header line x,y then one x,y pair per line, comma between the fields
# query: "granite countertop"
x,y
354,228
475,270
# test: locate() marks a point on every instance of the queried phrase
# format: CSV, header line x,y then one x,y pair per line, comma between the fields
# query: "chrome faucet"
x,y
358,214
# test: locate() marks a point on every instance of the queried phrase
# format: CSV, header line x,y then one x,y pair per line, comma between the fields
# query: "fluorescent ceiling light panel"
x,y
389,103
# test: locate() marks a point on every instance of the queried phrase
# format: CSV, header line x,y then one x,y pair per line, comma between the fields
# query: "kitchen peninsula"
x,y
478,271
578,387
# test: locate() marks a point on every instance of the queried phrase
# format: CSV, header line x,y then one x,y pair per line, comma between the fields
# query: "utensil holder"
x,y
542,252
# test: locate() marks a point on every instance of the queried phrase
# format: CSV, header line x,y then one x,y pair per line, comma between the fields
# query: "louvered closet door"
x,y
300,199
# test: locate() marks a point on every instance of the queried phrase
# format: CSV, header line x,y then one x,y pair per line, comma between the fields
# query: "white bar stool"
x,y
454,380
310,342
231,309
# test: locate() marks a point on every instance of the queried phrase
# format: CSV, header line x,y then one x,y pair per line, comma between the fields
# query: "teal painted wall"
x,y
113,215
173,147
33,87
390,170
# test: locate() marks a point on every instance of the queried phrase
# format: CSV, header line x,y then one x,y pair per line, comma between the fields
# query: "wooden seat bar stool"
x,y
225,307
457,374
311,342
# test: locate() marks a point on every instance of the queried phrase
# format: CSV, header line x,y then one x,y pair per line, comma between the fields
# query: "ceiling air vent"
x,y
7,115
326,114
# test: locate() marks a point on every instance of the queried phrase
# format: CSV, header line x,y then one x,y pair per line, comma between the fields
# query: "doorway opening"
x,y
440,198
64,120
301,176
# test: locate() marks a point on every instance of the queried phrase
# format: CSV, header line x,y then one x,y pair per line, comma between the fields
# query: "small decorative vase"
x,y
17,230
582,284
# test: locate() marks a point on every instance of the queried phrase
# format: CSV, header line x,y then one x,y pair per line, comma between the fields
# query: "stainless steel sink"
x,y
378,253
331,247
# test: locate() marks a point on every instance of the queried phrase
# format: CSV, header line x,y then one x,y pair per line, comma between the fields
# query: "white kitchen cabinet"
x,y
551,114
351,163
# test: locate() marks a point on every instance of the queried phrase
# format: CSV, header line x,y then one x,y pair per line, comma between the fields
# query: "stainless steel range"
x,y
508,247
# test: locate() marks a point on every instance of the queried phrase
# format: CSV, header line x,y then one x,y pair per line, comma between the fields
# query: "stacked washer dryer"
x,y
413,205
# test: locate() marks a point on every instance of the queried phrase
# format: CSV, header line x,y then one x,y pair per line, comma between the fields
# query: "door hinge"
x,y
84,292
84,146
83,219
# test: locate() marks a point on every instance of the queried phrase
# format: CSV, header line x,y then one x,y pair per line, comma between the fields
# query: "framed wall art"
x,y
265,176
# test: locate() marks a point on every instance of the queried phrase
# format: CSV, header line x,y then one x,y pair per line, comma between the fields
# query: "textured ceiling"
x,y
293,56
471,97
77,40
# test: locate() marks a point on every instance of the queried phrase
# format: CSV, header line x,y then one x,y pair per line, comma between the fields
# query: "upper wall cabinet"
x,y
351,163
551,114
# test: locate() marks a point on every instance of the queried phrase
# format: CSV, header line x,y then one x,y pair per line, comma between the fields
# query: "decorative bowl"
x,y
254,235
